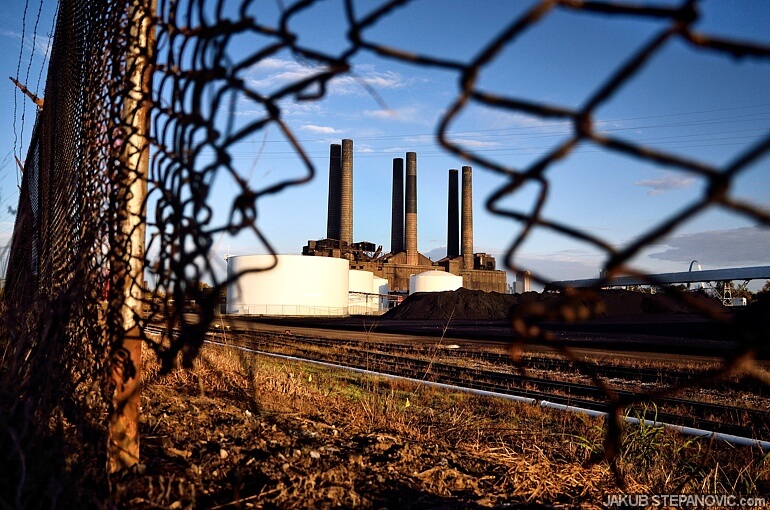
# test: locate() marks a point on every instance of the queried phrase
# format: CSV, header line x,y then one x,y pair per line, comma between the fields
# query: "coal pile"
x,y
476,305
460,304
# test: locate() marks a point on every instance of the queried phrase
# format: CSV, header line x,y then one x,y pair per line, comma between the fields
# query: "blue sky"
x,y
700,105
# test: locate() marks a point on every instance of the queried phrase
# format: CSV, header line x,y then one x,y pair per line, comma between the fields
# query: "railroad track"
x,y
720,418
419,362
660,377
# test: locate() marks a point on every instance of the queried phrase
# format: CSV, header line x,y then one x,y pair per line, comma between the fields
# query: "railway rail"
x,y
732,420
493,372
660,377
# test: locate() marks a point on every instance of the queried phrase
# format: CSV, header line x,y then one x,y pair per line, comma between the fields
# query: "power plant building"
x,y
336,276
476,270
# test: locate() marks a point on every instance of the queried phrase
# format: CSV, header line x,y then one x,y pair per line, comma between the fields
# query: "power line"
x,y
550,130
532,149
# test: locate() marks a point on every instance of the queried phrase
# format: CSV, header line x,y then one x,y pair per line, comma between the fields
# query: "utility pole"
x,y
128,266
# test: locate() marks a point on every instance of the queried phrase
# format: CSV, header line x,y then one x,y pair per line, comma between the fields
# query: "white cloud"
x,y
366,76
275,72
719,248
503,119
381,114
323,130
437,253
468,142
419,139
42,44
291,107
666,183
409,114
276,63
249,112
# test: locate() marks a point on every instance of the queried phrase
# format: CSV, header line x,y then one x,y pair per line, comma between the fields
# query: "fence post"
x,y
126,359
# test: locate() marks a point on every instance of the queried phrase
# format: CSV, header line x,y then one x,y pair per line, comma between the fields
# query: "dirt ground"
x,y
258,434
302,447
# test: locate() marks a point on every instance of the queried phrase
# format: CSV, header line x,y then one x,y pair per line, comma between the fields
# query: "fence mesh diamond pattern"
x,y
65,300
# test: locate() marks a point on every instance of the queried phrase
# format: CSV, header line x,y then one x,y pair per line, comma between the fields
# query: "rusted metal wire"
x,y
63,313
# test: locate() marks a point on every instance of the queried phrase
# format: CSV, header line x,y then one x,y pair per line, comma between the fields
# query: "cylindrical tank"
x,y
297,285
434,281
380,287
360,284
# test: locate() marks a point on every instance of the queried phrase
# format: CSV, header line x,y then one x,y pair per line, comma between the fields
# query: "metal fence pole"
x,y
126,358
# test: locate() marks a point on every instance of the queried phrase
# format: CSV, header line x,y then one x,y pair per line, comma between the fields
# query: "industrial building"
x,y
336,276
477,270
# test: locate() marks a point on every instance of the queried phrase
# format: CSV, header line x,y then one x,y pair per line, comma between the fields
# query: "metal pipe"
x,y
397,215
709,275
410,235
453,216
467,219
346,192
335,183
690,431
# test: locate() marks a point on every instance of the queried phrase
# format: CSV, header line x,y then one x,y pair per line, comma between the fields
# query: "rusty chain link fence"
x,y
69,281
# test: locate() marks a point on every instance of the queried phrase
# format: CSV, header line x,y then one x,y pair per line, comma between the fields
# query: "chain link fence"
x,y
65,303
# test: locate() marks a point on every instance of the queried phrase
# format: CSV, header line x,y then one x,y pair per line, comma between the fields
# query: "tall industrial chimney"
x,y
453,217
397,218
346,192
467,219
410,234
333,214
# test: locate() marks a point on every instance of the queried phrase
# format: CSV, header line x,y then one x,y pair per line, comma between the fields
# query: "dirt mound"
x,y
464,304
460,304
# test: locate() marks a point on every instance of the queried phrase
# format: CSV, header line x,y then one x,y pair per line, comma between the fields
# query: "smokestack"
x,y
467,219
410,234
346,192
453,217
397,218
333,214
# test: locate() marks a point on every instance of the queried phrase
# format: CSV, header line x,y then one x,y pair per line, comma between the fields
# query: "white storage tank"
x,y
297,286
434,281
360,284
380,287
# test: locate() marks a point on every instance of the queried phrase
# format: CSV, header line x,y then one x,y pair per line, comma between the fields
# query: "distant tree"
x,y
764,291
743,292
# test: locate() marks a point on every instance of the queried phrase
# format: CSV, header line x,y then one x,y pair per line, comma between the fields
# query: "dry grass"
x,y
378,438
